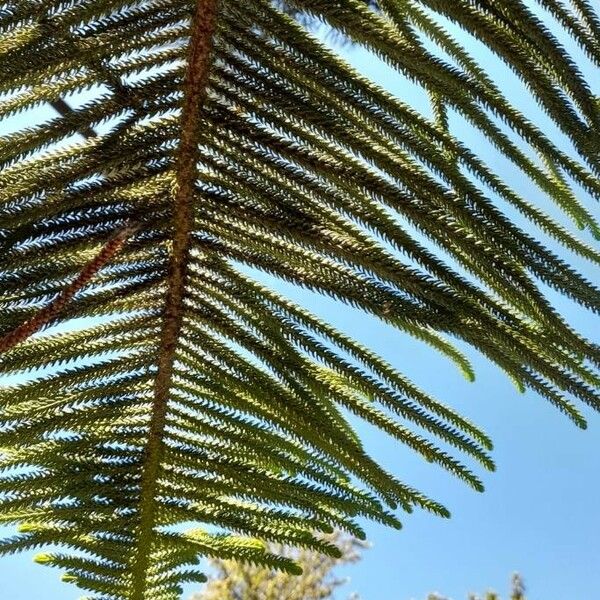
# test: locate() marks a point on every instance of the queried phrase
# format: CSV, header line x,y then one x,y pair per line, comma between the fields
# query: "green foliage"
x,y
224,135
235,581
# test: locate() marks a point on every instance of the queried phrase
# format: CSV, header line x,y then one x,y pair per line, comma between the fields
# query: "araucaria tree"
x,y
224,135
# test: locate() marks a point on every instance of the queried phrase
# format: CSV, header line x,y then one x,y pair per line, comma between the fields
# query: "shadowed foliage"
x,y
184,409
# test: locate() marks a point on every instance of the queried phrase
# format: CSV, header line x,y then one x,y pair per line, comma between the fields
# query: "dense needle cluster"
x,y
237,138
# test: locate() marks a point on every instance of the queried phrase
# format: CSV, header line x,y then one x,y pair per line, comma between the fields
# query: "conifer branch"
x,y
46,315
63,108
206,397
197,72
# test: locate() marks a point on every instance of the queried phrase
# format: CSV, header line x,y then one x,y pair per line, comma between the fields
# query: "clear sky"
x,y
540,512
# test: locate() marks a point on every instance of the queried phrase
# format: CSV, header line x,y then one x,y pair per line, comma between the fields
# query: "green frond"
x,y
156,381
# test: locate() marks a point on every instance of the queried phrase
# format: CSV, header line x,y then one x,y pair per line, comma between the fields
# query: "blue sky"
x,y
539,514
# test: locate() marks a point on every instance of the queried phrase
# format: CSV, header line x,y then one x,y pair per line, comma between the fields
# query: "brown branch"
x,y
198,67
50,312
61,107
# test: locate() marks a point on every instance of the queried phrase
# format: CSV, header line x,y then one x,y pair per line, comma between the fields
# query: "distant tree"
x,y
237,581
517,592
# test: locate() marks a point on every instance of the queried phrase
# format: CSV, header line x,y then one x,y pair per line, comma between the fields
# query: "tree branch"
x,y
50,312
196,79
61,107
